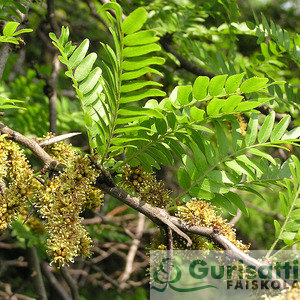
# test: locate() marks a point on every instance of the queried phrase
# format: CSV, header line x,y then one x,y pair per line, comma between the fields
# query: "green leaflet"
x,y
221,176
125,140
233,82
253,84
136,111
280,128
141,38
266,128
158,156
85,67
237,201
139,95
231,103
214,106
247,105
216,85
176,148
293,134
213,186
147,162
161,126
251,162
251,130
141,62
136,85
140,50
201,194
184,179
184,94
139,73
90,82
92,96
223,145
223,202
197,114
199,159
112,6
190,167
200,87
131,129
79,54
134,21
237,138
240,168
258,152
10,28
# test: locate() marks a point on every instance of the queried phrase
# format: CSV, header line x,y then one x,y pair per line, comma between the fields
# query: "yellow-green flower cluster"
x,y
146,186
62,200
16,179
202,213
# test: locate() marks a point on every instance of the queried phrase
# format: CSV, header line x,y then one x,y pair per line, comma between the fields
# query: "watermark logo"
x,y
168,274
185,274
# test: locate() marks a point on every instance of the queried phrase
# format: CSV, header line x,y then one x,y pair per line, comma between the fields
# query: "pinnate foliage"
x,y
199,126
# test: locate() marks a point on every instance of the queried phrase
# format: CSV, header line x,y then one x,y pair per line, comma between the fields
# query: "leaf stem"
x,y
285,222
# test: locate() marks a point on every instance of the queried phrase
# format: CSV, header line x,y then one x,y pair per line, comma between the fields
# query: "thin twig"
x,y
58,138
265,212
235,219
133,249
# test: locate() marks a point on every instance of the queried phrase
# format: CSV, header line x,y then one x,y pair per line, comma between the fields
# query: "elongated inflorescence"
x,y
59,201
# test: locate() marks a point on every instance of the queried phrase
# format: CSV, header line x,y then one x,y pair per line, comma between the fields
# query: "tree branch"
x,y
50,164
35,273
4,54
54,282
166,42
71,282
6,49
52,83
29,144
159,216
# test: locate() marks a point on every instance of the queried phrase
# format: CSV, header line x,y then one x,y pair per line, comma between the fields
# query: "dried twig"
x,y
133,248
265,212
57,139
